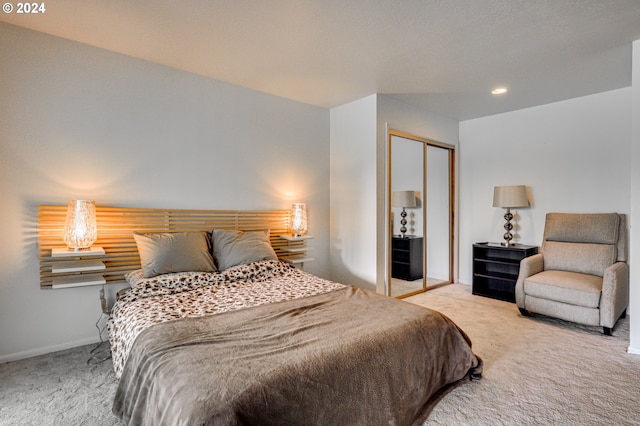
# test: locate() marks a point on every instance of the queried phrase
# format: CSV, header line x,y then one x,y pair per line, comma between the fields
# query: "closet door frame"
x,y
391,133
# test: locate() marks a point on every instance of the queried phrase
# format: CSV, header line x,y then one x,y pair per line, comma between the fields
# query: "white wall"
x,y
573,156
77,121
354,193
634,345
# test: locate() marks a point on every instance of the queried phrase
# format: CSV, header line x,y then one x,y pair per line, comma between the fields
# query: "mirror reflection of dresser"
x,y
406,258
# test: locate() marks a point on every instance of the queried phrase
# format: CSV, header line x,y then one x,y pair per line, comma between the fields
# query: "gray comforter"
x,y
345,357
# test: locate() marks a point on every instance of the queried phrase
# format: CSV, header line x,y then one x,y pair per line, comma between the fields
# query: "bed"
x,y
215,329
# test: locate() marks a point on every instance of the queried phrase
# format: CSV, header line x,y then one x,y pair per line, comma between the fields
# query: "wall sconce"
x,y
80,230
509,197
404,199
298,219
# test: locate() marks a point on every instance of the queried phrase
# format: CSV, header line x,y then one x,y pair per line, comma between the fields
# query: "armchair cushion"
x,y
584,258
566,287
597,228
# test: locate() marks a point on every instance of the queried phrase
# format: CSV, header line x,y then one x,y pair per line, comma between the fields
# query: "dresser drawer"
x,y
402,256
401,243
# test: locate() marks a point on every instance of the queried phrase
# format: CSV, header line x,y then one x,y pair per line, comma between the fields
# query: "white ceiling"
x,y
443,55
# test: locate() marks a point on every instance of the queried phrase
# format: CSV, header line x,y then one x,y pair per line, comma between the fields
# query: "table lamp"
x,y
509,197
80,230
299,219
404,199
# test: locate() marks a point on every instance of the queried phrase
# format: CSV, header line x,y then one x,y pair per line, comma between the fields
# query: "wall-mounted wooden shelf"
x,y
295,252
78,281
296,238
77,268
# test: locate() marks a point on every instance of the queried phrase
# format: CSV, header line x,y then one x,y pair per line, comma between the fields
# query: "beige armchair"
x,y
581,274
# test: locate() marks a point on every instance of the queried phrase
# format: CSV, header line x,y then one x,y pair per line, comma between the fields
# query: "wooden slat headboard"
x,y
115,227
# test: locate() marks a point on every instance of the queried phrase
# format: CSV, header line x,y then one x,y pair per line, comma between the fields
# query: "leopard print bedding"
x,y
193,294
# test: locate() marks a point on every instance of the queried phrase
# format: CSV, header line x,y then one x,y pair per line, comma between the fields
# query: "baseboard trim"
x,y
634,351
46,350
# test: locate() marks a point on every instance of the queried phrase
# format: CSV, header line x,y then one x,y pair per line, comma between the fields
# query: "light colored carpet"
x,y
537,371
58,389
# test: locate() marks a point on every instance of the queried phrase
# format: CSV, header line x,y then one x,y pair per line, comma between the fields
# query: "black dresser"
x,y
406,257
496,268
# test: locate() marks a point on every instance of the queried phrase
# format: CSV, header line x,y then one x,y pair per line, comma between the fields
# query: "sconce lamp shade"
x,y
80,230
404,199
299,219
510,196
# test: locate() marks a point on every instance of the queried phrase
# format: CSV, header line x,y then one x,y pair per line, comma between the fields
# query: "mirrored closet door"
x,y
420,212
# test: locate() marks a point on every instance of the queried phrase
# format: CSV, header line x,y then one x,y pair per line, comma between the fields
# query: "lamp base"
x,y
507,244
403,222
78,249
508,236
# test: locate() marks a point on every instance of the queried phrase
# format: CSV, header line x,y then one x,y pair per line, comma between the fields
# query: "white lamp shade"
x,y
404,199
299,219
510,196
80,230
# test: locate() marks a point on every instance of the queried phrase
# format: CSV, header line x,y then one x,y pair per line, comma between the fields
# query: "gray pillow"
x,y
233,248
165,253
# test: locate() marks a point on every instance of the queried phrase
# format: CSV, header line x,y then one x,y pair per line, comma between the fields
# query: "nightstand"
x,y
77,268
496,268
295,251
406,257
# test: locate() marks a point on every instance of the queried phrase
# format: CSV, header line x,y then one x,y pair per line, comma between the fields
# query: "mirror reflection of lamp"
x,y
299,219
509,197
80,230
404,199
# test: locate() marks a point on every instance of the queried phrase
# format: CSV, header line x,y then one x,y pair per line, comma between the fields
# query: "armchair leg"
x,y
524,312
607,330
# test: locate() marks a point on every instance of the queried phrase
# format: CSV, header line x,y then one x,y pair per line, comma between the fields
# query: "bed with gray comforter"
x,y
343,356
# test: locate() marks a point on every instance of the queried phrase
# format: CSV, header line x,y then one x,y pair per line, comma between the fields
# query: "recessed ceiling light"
x,y
499,91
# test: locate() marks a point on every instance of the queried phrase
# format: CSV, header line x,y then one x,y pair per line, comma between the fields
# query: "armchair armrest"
x,y
615,293
528,266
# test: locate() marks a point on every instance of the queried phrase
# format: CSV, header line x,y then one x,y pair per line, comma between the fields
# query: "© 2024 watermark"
x,y
24,8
